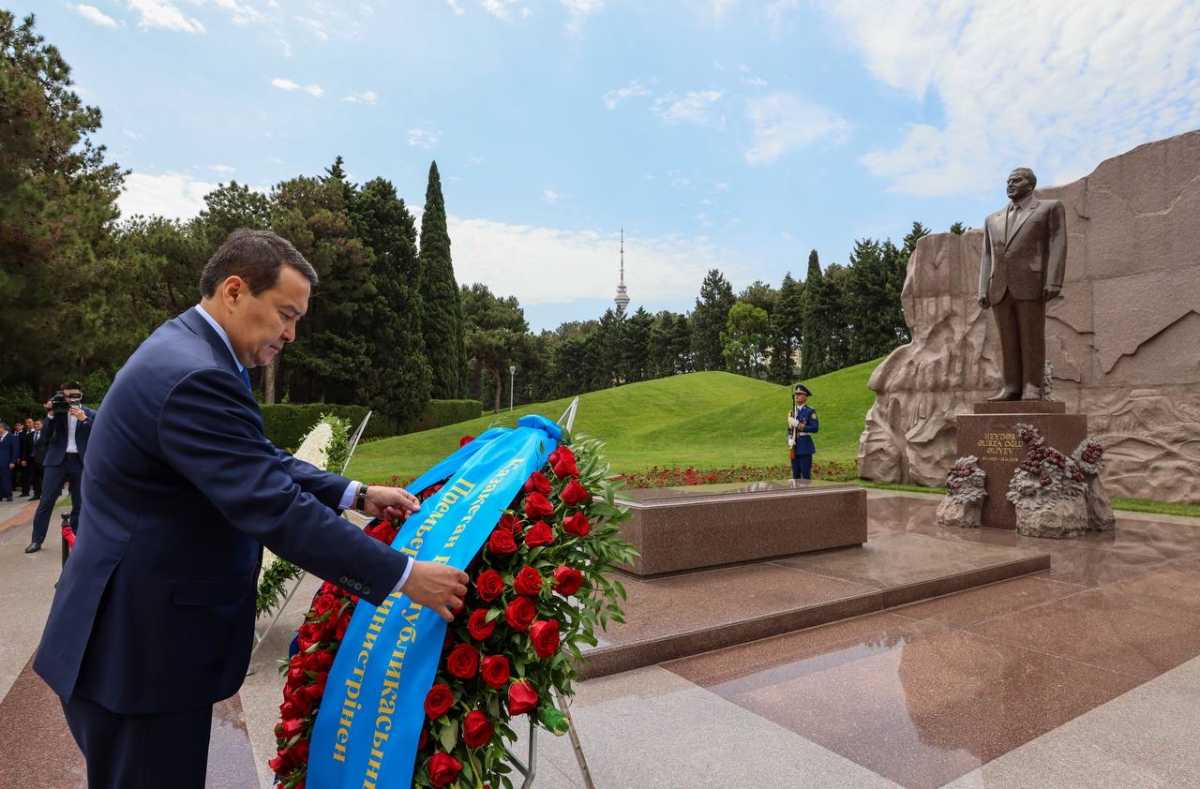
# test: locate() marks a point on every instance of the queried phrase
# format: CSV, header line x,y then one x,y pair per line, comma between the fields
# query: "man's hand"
x,y
437,586
390,502
984,302
79,414
1050,293
793,422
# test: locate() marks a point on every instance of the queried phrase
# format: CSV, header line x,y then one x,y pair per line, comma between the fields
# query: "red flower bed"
x,y
539,588
674,477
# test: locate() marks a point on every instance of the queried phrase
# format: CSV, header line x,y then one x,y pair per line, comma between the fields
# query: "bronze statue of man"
x,y
1024,258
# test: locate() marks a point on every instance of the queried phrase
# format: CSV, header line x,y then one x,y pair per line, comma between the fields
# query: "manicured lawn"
x,y
705,420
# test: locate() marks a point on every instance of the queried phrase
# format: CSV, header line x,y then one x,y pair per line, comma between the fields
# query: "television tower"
x,y
622,294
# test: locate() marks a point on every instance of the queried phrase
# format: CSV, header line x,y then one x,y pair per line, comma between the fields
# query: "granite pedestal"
x,y
689,527
990,434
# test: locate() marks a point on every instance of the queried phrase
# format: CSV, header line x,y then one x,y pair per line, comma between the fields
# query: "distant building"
x,y
622,299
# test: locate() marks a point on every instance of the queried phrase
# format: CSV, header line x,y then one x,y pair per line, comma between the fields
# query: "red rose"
x,y
521,697
477,729
544,635
528,581
575,494
512,523
421,743
577,524
567,580
296,674
298,753
502,543
537,506
438,701
562,460
462,442
539,533
443,769
292,727
538,482
520,614
489,585
316,690
463,661
323,603
343,624
478,626
495,671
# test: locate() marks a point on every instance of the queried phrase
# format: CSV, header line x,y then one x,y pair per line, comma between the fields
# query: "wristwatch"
x,y
360,498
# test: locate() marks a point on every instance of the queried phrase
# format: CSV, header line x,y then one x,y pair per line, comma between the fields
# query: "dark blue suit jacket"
x,y
10,449
155,609
56,432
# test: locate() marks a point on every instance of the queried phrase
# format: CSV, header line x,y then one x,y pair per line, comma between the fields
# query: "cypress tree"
x,y
442,324
814,335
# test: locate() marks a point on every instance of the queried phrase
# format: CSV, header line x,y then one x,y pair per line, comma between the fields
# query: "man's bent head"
x,y
257,287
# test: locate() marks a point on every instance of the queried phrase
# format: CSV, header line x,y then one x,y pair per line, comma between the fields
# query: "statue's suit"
x,y
1024,252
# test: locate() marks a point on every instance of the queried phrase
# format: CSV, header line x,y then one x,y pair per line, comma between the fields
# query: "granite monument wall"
x,y
1124,340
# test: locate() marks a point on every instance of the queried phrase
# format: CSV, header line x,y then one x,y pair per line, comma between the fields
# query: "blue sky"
x,y
724,133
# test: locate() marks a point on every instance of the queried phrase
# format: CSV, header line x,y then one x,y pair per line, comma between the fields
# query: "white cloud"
x,y
364,97
1056,86
504,9
223,169
290,86
131,134
423,138
315,26
579,11
516,258
171,195
551,196
617,95
163,14
95,15
719,7
783,122
455,7
240,13
694,107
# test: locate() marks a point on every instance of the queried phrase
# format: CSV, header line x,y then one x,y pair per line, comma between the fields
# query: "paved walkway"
x,y
1084,676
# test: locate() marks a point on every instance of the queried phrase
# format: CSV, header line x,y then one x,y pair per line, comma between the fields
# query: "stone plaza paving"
x,y
1083,675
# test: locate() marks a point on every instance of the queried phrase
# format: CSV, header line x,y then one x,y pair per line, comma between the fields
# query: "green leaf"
x,y
553,719
448,736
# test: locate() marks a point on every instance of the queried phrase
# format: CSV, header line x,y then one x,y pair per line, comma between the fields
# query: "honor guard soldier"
x,y
802,422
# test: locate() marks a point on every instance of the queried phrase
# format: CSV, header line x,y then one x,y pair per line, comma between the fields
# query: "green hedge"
x,y
287,424
446,412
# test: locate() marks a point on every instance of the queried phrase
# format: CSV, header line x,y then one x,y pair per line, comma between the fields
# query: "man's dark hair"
x,y
70,385
256,256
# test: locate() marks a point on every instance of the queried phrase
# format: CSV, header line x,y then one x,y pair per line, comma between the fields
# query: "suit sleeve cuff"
x,y
404,578
348,495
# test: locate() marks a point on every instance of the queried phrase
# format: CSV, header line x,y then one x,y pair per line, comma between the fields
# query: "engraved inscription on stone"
x,y
999,446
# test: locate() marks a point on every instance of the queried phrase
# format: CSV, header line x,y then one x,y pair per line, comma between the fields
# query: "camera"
x,y
61,404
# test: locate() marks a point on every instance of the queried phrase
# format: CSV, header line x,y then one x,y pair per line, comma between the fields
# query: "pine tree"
x,y
635,346
708,320
787,324
442,325
397,383
958,228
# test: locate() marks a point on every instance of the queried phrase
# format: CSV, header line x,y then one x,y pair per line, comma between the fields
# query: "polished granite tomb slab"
x,y
682,614
695,526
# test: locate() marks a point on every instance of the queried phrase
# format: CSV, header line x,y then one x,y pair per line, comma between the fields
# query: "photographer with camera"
x,y
65,438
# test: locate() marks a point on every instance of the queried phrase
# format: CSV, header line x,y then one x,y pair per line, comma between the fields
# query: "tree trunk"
x,y
499,388
269,381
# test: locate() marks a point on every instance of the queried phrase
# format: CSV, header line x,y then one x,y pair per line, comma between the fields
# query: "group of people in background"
x,y
21,455
39,456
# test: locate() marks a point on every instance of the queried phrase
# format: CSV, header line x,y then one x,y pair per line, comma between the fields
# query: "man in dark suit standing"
x,y
66,439
21,472
1021,269
10,454
152,622
36,459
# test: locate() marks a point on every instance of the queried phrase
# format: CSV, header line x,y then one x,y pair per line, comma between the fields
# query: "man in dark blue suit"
x,y
66,439
802,423
152,622
10,456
